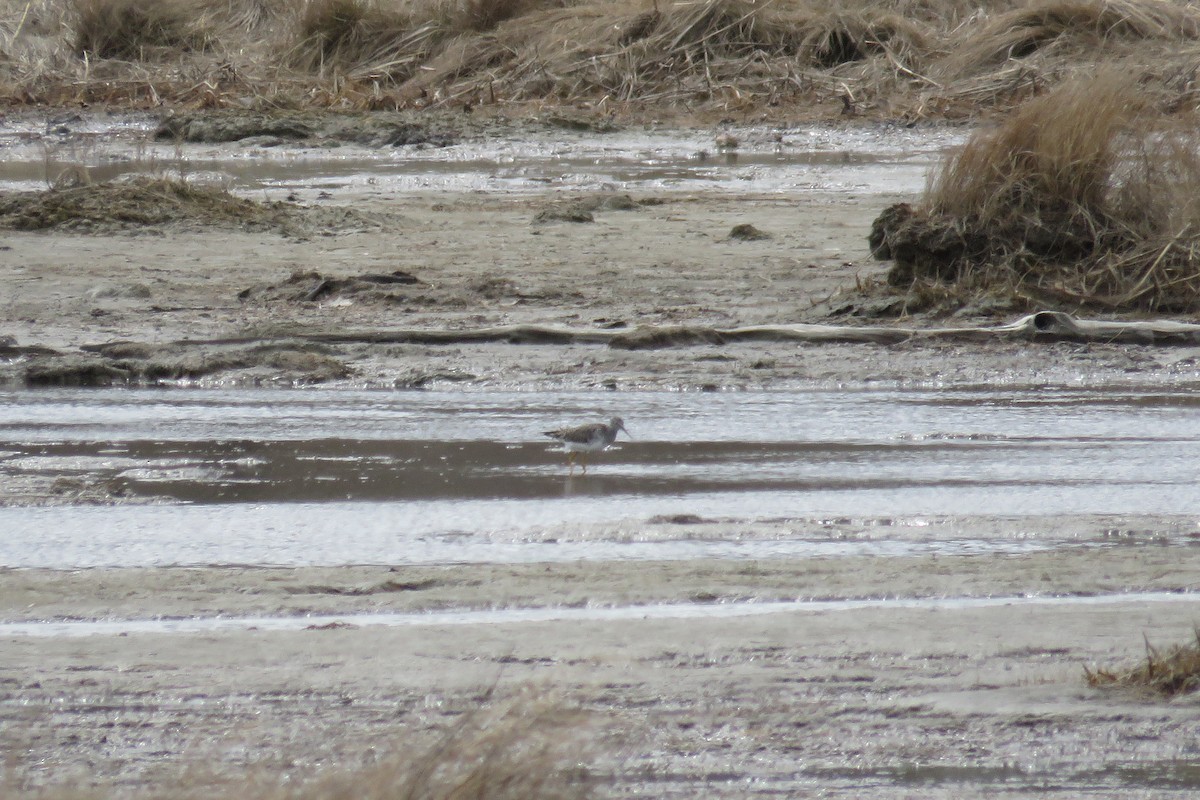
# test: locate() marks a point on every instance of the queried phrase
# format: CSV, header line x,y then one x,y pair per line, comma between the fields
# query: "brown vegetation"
x,y
342,34
528,748
136,29
1168,674
1086,196
904,58
1072,29
135,203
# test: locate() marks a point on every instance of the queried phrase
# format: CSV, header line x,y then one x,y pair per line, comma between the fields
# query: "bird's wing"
x,y
581,434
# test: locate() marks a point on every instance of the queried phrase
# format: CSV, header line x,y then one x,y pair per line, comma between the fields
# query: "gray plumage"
x,y
588,439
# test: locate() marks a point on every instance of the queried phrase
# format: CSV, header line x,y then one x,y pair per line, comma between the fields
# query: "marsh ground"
x,y
935,698
877,700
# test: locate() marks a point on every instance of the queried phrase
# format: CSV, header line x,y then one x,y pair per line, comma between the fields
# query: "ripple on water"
x,y
339,476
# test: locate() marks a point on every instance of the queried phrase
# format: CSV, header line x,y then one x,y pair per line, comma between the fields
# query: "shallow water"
x,y
554,614
331,477
865,160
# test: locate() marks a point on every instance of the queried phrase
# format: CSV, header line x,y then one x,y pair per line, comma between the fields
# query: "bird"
x,y
586,439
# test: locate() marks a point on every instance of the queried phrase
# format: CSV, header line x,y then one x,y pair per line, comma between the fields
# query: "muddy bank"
x,y
412,291
865,701
339,357
453,288
374,130
124,593
150,205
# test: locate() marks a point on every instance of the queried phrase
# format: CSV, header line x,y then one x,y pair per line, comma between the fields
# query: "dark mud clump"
x,y
148,202
921,246
584,209
285,361
137,203
748,233
371,130
310,287
1083,197
941,247
74,371
139,363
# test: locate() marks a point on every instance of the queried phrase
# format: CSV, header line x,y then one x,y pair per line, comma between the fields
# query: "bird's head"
x,y
617,424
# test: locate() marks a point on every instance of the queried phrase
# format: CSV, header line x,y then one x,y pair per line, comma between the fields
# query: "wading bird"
x,y
587,439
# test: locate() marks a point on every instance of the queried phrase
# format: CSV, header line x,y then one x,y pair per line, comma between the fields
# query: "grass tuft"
x,y
1076,26
137,29
1169,673
362,40
528,747
737,52
895,59
1085,196
132,204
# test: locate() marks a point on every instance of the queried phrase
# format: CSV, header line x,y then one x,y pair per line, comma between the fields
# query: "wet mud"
x,y
423,270
871,700
319,129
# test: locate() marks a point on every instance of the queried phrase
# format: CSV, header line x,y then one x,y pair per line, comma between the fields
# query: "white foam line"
x,y
559,614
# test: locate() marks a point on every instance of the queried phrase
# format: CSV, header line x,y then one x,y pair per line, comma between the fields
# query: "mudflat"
x,y
948,676
719,684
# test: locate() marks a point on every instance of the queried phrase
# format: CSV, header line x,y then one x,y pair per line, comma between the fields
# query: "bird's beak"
x,y
627,433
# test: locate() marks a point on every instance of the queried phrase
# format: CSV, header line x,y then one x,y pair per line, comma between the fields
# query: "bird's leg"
x,y
571,462
583,462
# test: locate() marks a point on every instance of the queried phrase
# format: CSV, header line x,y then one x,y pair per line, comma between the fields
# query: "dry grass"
x,y
363,39
527,748
1055,152
132,204
1074,26
253,16
735,52
479,16
343,34
1167,673
138,29
1089,195
910,58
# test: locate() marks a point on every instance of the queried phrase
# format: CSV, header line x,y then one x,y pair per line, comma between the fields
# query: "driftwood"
x,y
1044,326
315,357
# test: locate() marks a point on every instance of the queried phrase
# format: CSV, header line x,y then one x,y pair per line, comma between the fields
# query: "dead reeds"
x,y
737,52
1166,673
134,204
344,34
138,29
909,58
1073,28
363,39
526,749
1088,195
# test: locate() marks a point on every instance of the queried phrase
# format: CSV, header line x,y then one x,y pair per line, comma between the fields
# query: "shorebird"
x,y
587,439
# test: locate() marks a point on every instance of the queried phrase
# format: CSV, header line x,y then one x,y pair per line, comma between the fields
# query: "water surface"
x,y
363,477
882,158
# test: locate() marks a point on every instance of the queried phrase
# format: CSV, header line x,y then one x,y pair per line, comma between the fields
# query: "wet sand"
x,y
869,702
872,702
